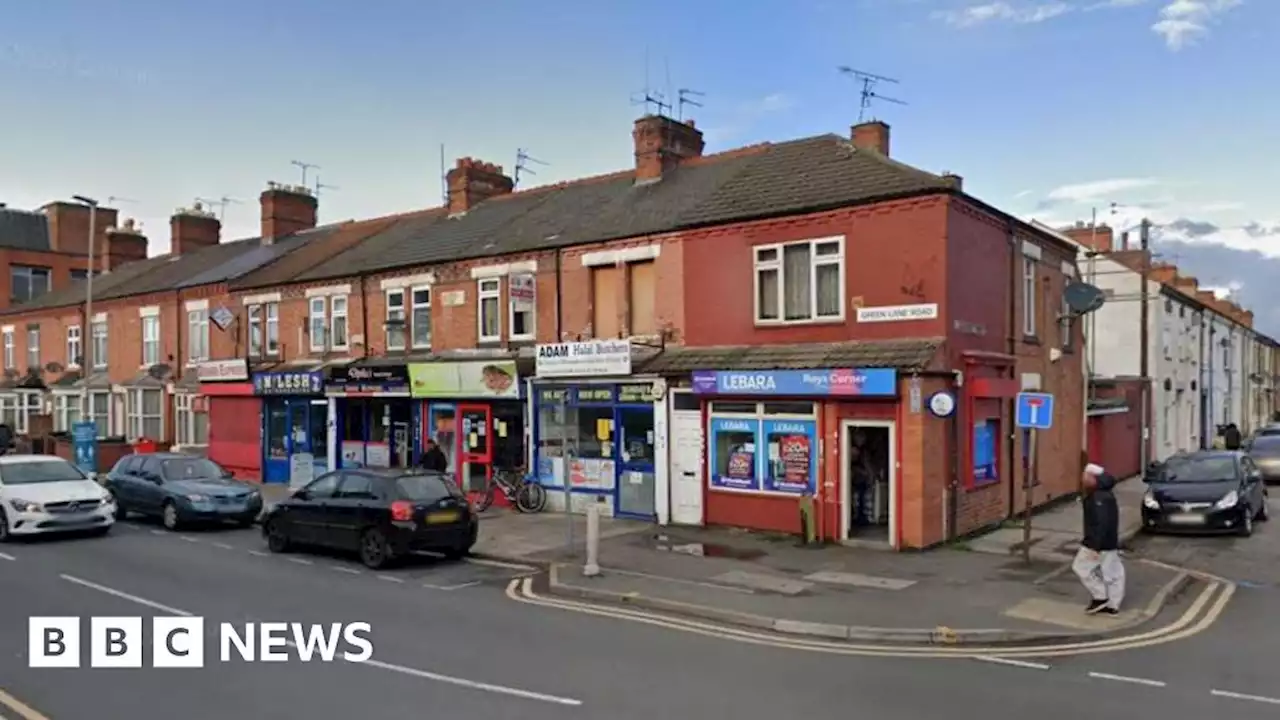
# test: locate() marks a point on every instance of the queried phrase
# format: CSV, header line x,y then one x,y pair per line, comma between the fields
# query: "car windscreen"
x,y
428,488
31,473
191,469
1266,446
1205,469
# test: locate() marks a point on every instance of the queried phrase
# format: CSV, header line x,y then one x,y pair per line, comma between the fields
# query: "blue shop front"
x,y
295,425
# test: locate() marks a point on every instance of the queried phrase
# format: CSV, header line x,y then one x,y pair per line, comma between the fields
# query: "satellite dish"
x,y
53,367
1083,298
158,371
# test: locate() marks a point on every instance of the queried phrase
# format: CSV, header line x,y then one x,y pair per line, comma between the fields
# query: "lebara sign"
x,y
837,382
584,359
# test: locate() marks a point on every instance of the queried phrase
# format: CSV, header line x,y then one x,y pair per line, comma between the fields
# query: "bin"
x,y
144,446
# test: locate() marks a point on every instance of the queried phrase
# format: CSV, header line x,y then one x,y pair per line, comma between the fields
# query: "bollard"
x,y
592,568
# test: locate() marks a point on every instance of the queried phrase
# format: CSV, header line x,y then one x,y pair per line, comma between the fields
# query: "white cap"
x,y
1093,469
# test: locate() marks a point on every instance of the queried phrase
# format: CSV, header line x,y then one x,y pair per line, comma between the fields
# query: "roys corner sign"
x,y
584,359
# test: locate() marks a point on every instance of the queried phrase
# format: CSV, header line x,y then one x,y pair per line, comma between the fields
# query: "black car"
x,y
1206,491
381,514
181,489
1264,450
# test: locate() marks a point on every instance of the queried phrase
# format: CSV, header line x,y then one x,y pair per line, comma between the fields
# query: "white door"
x,y
686,438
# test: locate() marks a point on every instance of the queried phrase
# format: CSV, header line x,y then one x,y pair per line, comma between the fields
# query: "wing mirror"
x,y
301,494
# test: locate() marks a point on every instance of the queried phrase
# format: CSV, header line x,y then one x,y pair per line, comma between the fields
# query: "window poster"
x,y
734,465
984,451
792,459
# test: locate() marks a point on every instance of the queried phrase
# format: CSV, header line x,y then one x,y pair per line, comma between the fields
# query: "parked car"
x,y
382,515
46,494
1205,491
181,489
1265,452
1272,430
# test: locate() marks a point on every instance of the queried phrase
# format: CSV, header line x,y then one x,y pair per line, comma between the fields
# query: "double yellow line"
x,y
1203,612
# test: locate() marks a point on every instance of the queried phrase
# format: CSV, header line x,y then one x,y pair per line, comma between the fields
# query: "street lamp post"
x,y
87,338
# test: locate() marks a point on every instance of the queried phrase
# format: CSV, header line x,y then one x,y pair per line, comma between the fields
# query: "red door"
x,y
475,449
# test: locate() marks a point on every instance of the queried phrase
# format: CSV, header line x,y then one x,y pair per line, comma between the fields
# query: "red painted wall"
x,y
977,277
235,435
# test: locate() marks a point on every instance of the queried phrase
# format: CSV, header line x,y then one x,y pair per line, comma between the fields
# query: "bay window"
x,y
145,413
100,412
66,411
800,281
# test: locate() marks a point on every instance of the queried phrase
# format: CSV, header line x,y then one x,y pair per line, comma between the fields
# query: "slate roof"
x,y
23,230
73,294
905,354
319,249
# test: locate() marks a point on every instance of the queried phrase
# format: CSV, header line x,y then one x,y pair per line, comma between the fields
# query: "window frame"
x,y
389,315
197,336
1029,292
318,320
530,326
271,323
184,421
484,293
152,321
29,271
100,358
255,326
411,310
75,346
334,315
10,351
778,265
33,348
135,411
63,405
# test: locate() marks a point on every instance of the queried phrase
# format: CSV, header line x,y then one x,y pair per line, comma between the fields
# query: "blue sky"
x,y
1046,107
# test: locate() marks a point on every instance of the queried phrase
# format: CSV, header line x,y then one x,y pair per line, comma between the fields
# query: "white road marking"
x,y
300,561
1012,662
402,669
459,586
188,539
7,556
1242,696
1127,679
349,571
500,564
258,553
389,578
224,546
159,532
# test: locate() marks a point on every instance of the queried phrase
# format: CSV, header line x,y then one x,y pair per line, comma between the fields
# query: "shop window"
x,y
636,435
66,412
396,319
197,335
75,346
8,350
800,282
145,413
986,455
192,427
33,347
380,420
735,463
421,318
594,433
508,436
641,298
786,408
763,447
733,408
151,340
99,332
488,311
277,430
604,302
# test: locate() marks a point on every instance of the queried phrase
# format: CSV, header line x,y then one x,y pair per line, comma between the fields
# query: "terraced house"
x,y
698,339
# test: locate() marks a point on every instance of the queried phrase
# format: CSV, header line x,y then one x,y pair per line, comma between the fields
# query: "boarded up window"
x,y
640,301
605,318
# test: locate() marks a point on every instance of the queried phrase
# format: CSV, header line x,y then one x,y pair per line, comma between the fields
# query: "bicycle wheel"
x,y
485,501
531,497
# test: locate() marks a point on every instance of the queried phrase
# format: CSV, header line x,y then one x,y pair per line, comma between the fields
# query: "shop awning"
x,y
910,354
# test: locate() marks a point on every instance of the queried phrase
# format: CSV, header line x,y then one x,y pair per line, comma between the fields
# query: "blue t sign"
x,y
1035,410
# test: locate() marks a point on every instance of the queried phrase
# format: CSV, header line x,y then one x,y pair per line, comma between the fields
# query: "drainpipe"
x,y
559,313
953,502
364,316
1011,348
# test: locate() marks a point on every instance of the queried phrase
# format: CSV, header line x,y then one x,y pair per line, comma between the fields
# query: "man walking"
x,y
1097,563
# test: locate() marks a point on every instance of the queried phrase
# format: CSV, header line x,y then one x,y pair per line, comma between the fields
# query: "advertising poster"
x,y
984,451
734,463
470,379
792,458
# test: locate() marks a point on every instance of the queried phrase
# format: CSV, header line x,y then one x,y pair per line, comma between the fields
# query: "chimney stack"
x,y
286,209
873,136
69,227
125,244
661,144
472,181
192,229
1098,238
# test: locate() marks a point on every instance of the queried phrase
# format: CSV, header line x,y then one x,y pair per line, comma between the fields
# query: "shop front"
x,y
777,436
374,415
295,425
473,411
227,398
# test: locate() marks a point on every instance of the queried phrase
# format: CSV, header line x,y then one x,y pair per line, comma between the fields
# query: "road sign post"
x,y
1034,413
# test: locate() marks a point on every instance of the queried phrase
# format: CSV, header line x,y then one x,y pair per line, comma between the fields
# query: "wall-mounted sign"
x,y
584,359
522,289
223,370
222,317
298,382
942,404
838,382
898,313
467,379
370,376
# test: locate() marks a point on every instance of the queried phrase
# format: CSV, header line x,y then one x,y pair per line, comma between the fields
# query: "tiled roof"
x,y
23,230
73,294
177,270
907,354
315,251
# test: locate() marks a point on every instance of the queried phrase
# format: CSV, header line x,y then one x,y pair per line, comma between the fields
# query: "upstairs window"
x,y
99,331
28,282
75,347
338,322
799,282
488,310
197,336
421,316
395,319
327,323
33,347
317,324
1029,296
151,340
9,360
264,329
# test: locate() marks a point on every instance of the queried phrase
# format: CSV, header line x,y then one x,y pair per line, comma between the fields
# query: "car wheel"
x,y
375,551
121,512
1246,526
277,540
169,516
1264,512
4,528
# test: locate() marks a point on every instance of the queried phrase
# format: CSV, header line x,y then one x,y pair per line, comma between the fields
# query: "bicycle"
x,y
520,489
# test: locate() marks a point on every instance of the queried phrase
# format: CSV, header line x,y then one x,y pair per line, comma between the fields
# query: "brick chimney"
x,y
1100,238
872,135
1187,284
472,181
1164,273
192,229
662,143
69,227
125,244
286,209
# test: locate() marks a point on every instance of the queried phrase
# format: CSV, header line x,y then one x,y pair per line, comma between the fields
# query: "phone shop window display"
x,y
770,450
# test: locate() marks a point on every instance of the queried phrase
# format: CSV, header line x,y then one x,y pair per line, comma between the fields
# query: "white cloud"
x,y
1183,22
1097,190
1000,11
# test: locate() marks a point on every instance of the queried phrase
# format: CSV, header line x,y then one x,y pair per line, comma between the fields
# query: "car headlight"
x,y
1228,501
108,499
24,506
198,498
1150,500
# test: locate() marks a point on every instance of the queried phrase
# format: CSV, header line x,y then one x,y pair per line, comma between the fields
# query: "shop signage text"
x,y
584,359
223,370
288,383
380,376
898,313
630,394
838,382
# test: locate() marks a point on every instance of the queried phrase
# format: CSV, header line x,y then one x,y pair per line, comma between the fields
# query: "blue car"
x,y
180,490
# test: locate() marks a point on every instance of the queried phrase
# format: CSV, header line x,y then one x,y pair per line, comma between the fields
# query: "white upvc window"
x,y
9,360
66,411
197,336
521,321
316,323
396,319
272,311
1029,296
420,314
800,282
489,310
191,427
151,340
16,409
33,348
102,412
145,413
254,315
75,346
99,332
338,322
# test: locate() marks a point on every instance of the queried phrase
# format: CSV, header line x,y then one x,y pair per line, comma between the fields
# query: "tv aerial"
x,y
523,158
868,95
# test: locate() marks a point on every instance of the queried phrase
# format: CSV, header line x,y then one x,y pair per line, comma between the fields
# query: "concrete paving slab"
x,y
760,581
1065,614
859,580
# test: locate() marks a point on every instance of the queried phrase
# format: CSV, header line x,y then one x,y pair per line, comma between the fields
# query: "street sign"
x,y
1035,410
84,439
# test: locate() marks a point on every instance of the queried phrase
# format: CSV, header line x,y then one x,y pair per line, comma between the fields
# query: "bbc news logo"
x,y
179,642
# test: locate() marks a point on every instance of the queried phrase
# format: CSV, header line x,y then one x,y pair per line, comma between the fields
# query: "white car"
x,y
46,494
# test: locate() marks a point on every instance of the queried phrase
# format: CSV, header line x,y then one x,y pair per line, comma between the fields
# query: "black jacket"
x,y
434,459
1101,516
1231,438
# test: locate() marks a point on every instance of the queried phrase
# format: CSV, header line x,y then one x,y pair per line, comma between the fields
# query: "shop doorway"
x,y
475,448
294,427
869,500
686,458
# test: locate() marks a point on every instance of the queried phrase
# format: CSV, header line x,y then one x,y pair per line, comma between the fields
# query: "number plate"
x,y
1186,519
442,518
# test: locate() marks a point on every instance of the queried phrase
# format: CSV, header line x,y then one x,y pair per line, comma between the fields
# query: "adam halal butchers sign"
x,y
584,359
